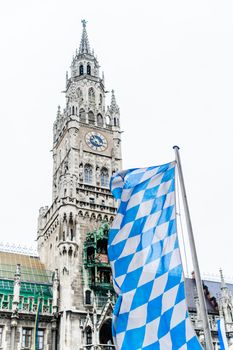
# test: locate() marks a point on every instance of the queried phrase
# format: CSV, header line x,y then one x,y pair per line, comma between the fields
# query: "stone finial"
x,y
114,109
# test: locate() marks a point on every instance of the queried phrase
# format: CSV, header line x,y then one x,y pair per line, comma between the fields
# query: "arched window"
x,y
104,177
115,122
91,118
99,120
88,69
101,100
108,120
88,297
73,110
81,69
79,95
88,173
82,115
91,95
88,335
105,333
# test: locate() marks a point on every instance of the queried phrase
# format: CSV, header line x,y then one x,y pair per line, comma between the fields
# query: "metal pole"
x,y
200,292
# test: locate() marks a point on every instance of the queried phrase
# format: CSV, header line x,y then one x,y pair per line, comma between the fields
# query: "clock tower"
x,y
86,152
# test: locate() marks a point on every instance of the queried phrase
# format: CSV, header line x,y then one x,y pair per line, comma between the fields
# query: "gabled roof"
x,y
214,289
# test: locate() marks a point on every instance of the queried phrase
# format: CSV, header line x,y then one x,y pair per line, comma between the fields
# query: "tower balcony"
x,y
98,260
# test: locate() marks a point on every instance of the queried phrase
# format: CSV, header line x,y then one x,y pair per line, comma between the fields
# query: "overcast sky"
x,y
170,63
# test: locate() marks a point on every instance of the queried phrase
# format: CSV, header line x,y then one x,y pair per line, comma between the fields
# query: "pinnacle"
x,y
223,284
113,106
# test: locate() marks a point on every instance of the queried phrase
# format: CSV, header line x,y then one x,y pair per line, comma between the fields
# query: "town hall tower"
x,y
73,230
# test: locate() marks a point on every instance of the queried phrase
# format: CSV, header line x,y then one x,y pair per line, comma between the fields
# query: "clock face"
x,y
96,141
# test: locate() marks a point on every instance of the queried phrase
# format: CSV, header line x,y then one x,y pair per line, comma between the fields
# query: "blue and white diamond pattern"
x,y
150,312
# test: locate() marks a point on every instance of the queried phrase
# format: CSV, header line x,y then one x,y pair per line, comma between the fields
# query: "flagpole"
x,y
200,292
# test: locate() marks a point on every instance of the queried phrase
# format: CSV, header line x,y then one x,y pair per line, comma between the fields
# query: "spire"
x,y
223,284
58,111
84,44
113,106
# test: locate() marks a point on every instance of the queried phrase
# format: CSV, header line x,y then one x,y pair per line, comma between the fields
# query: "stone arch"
x,y
99,217
105,333
93,216
80,213
100,120
91,118
86,215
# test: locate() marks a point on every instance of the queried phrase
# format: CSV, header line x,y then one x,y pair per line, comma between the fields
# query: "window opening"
x,y
81,70
104,177
88,297
88,173
27,338
89,336
40,337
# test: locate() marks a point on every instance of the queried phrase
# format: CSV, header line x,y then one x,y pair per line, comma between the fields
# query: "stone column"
x,y
16,288
15,303
54,334
14,322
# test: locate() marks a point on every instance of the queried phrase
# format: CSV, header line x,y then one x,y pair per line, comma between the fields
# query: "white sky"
x,y
170,63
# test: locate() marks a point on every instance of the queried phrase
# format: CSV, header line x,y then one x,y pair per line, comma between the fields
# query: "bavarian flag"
x,y
151,311
36,340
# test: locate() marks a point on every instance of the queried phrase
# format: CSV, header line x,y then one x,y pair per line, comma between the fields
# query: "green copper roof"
x,y
35,282
32,270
